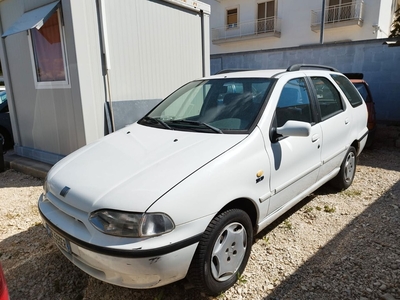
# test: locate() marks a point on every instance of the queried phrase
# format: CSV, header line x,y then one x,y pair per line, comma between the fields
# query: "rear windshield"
x,y
227,105
348,89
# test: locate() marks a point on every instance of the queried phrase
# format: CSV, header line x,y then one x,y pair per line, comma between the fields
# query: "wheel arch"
x,y
356,145
245,204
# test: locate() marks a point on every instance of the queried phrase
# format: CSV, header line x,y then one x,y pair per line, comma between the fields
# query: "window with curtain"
x,y
232,18
48,55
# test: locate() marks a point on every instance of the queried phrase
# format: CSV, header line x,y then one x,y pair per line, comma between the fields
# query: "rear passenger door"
x,y
335,124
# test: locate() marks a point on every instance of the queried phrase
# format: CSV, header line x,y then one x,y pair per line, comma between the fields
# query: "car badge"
x,y
260,176
64,191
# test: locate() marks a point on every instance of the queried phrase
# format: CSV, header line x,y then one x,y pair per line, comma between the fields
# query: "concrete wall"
x,y
379,63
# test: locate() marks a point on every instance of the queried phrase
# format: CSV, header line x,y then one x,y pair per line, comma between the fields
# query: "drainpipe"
x,y
321,37
106,56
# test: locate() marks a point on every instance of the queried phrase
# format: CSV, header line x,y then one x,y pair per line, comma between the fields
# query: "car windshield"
x,y
229,105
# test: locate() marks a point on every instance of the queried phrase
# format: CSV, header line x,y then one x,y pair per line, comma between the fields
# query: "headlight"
x,y
127,224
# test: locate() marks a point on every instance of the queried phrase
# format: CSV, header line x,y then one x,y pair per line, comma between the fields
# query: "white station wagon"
x,y
183,191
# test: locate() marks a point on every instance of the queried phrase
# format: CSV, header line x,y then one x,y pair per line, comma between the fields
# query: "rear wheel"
x,y
347,170
222,253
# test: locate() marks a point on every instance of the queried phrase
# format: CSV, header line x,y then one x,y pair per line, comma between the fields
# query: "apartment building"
x,y
250,25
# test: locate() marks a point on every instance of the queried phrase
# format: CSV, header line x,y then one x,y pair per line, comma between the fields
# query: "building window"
x,y
48,54
232,18
340,10
266,16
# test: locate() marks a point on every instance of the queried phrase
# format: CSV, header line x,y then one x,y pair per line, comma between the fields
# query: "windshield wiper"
x,y
198,123
159,121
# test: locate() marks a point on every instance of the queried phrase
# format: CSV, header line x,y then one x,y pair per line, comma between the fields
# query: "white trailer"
x,y
76,70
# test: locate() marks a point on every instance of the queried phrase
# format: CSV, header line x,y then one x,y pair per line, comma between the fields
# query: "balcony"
x,y
260,28
348,14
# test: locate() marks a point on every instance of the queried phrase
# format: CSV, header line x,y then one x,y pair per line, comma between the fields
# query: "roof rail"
x,y
232,70
297,67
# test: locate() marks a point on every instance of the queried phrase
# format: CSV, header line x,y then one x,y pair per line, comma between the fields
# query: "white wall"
x,y
296,24
155,48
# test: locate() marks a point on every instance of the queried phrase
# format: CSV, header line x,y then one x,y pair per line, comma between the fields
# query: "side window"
x,y
348,89
329,99
294,103
48,54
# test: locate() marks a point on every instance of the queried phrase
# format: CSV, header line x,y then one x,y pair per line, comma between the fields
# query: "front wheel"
x,y
222,253
347,170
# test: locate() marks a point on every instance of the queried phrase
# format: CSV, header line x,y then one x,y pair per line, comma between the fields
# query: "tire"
x,y
347,170
222,253
7,141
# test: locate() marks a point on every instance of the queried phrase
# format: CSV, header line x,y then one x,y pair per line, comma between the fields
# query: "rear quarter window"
x,y
348,89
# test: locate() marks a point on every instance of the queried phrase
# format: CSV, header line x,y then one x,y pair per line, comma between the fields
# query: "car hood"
x,y
133,167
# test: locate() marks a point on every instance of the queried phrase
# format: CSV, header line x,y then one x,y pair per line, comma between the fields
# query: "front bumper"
x,y
132,268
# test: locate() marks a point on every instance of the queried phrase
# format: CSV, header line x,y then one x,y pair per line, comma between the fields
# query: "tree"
x,y
395,32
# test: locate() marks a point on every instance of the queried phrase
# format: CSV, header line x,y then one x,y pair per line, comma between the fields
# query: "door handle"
x,y
315,137
346,121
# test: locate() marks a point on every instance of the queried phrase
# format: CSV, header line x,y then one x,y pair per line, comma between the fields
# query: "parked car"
x,y
5,123
183,191
362,86
3,286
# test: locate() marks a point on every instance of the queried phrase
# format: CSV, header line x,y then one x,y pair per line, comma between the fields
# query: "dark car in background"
x,y
362,86
5,123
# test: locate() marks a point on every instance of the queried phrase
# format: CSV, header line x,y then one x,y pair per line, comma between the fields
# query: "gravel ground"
x,y
331,246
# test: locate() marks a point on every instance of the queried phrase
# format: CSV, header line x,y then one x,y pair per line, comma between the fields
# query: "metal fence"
x,y
339,13
254,27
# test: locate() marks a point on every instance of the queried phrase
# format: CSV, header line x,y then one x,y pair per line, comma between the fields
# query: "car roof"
x,y
249,74
269,73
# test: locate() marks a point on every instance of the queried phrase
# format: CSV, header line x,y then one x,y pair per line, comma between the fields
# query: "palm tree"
x,y
395,32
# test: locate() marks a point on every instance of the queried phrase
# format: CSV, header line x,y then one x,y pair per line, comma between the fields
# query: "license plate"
x,y
60,241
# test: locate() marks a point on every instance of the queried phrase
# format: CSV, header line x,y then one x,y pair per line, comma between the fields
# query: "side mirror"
x,y
294,128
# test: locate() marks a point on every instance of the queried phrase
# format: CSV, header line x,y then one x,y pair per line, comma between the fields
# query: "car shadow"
x,y
35,269
358,251
13,179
